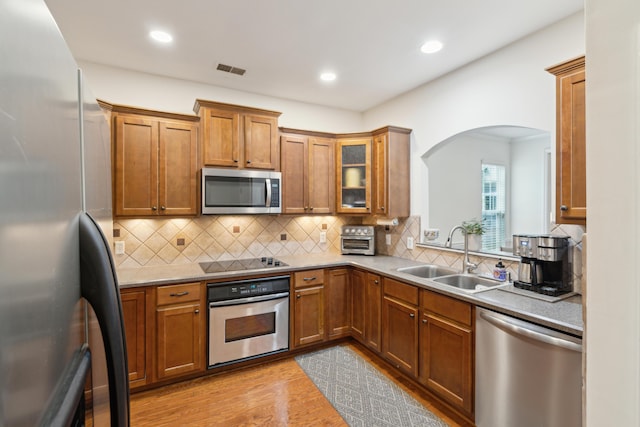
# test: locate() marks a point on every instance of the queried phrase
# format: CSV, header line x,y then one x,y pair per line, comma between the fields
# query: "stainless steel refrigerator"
x,y
62,344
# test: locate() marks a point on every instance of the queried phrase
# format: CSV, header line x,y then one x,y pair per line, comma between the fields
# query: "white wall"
x,y
119,86
613,208
508,87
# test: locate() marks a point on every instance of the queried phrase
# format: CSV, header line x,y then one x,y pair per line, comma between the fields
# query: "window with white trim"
x,y
493,206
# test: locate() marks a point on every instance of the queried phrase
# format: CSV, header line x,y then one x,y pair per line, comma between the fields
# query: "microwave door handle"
x,y
267,182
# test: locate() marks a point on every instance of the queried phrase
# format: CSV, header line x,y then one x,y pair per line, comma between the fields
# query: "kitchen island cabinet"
x,y
238,137
155,162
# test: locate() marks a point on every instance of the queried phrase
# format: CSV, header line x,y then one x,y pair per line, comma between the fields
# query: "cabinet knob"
x,y
196,312
163,208
235,160
154,208
248,161
306,208
311,208
424,321
376,282
412,315
298,296
564,208
381,208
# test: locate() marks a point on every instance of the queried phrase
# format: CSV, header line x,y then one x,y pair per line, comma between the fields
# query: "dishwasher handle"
x,y
519,329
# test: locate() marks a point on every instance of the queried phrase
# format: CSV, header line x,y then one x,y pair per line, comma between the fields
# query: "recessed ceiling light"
x,y
161,36
432,46
328,76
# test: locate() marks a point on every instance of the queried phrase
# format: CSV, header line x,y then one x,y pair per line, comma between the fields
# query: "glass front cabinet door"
x,y
354,175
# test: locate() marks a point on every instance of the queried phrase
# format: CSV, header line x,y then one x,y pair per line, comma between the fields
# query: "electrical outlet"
x,y
323,237
120,247
409,242
387,239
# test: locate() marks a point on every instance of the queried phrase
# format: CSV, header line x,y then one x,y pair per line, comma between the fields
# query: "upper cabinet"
x,y
571,188
391,177
155,162
238,137
353,175
308,165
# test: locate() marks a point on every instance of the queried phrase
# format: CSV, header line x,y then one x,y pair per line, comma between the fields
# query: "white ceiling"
x,y
372,45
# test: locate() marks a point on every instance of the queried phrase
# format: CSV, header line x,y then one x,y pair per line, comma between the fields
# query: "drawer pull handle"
x,y
179,294
308,279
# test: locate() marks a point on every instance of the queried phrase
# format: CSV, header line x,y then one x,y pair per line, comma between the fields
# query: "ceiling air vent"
x,y
230,69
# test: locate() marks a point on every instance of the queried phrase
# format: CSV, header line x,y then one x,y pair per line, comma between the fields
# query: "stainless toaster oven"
x,y
358,240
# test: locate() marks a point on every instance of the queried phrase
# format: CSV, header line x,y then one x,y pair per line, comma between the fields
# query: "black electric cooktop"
x,y
241,264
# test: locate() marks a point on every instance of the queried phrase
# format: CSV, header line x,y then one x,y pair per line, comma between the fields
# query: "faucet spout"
x,y
467,265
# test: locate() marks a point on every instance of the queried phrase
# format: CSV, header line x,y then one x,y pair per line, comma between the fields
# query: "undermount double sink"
x,y
469,283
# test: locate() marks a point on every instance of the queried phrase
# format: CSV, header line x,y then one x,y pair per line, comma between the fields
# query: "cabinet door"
x,y
353,177
136,166
261,142
571,186
373,313
179,340
400,335
220,142
446,362
380,176
294,161
133,313
338,302
309,316
178,169
358,304
321,173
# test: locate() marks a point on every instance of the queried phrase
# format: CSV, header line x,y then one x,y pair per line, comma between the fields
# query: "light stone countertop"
x,y
565,315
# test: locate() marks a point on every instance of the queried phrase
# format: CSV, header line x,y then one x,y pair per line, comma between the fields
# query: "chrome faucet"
x,y
467,266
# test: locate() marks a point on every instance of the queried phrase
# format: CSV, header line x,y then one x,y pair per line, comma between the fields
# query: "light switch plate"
x,y
323,237
387,239
409,242
119,247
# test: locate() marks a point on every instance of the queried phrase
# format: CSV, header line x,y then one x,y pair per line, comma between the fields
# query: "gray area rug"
x,y
361,394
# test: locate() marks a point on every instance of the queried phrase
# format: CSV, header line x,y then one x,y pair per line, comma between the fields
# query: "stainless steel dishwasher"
x,y
526,375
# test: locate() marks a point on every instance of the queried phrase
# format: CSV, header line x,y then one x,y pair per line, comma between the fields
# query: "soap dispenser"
x,y
500,271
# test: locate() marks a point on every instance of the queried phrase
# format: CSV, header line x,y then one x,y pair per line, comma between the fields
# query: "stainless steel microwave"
x,y
228,191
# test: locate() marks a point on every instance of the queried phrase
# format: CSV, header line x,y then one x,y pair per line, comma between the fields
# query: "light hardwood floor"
x,y
274,394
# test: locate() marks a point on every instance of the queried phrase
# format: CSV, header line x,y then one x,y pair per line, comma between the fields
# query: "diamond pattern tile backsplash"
x,y
151,242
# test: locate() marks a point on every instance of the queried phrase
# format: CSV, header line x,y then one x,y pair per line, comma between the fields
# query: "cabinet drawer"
x,y
175,294
401,291
450,308
302,279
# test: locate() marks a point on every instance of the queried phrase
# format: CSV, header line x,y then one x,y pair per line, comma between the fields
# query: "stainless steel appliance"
x,y
526,375
231,191
60,309
358,240
247,319
545,264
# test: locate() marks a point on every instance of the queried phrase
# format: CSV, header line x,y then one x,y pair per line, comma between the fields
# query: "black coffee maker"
x,y
545,264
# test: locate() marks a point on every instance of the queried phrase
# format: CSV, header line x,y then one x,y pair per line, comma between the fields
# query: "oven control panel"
x,y
247,288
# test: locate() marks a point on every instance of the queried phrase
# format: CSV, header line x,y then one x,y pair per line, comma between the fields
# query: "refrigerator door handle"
x,y
519,329
99,286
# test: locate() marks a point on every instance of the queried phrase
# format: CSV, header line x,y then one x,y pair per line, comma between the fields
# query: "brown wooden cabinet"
x,y
446,349
400,325
308,307
373,312
391,177
136,335
353,175
338,303
155,163
358,304
571,177
308,168
238,137
180,330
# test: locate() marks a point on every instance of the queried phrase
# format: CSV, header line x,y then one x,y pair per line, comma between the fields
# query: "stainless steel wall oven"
x,y
247,319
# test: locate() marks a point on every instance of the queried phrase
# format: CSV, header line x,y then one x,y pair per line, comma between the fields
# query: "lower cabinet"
x,y
308,307
358,304
135,328
446,349
400,325
180,330
373,312
338,303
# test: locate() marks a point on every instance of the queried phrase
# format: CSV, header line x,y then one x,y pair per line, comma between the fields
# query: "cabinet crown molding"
x,y
200,103
128,109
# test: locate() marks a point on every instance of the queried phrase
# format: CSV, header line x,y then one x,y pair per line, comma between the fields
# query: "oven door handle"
x,y
248,300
